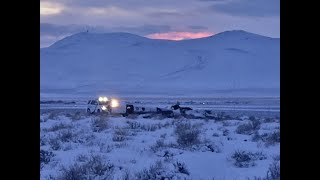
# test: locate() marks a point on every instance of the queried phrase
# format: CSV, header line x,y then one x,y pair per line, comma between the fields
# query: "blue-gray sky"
x,y
172,19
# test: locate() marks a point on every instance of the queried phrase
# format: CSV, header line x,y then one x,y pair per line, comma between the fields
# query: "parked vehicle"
x,y
102,105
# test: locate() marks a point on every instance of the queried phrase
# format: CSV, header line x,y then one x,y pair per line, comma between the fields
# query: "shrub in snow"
x,y
273,138
181,168
99,123
257,137
225,132
227,117
55,144
168,156
127,175
58,127
226,123
134,125
269,120
76,116
252,118
163,135
73,172
94,168
187,134
258,156
120,145
158,145
256,124
269,139
42,142
212,147
242,158
276,158
53,115
246,159
82,158
66,136
45,157
149,127
120,135
248,128
156,172
274,171
99,167
215,135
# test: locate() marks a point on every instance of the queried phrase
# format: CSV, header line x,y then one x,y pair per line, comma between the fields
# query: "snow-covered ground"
x,y
89,146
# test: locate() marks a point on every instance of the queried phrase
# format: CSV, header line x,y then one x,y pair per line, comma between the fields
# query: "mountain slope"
x,y
122,63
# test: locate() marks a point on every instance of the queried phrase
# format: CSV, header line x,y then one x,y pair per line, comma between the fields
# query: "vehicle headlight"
x,y
114,103
103,108
104,99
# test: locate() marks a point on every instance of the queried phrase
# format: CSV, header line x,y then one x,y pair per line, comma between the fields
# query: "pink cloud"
x,y
179,35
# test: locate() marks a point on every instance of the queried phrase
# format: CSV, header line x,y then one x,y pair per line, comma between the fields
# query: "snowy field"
x,y
237,144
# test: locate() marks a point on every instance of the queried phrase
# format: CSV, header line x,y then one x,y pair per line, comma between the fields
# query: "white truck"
x,y
102,105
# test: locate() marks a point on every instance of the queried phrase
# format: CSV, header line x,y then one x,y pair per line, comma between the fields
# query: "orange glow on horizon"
x,y
179,35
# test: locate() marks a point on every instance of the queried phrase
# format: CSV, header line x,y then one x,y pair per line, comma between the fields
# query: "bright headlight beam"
x,y
114,103
105,99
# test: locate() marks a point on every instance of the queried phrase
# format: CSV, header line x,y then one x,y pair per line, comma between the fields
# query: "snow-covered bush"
x,y
187,134
268,138
54,143
245,159
181,168
99,123
45,157
225,132
211,146
67,136
58,127
94,168
127,175
157,172
158,145
269,120
248,128
274,171
120,135
273,138
76,116
257,137
215,135
242,158
150,127
53,115
134,125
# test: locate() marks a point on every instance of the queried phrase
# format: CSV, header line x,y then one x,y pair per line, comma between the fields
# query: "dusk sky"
x,y
163,19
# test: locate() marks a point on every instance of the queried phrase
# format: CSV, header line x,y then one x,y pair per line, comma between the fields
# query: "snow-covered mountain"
x,y
123,64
